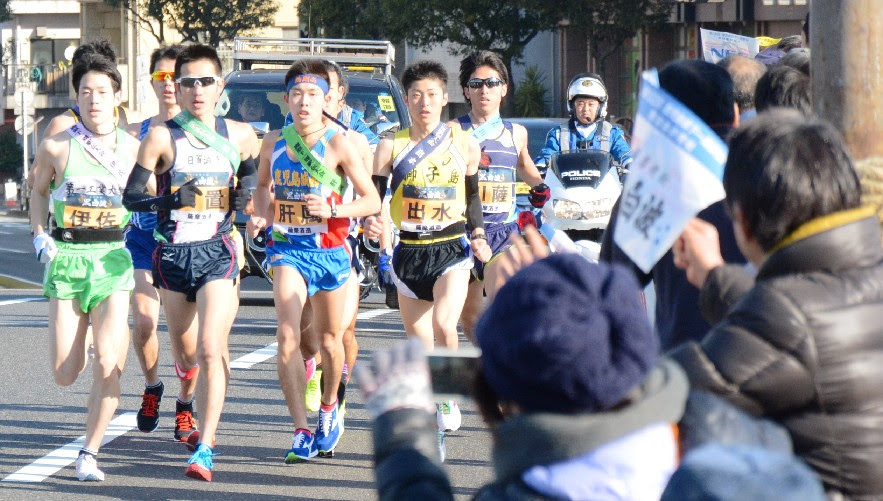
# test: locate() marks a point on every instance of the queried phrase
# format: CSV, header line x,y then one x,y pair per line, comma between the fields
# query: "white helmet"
x,y
587,85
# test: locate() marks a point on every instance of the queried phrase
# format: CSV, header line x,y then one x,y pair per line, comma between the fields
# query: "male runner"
x,y
89,272
309,164
195,157
485,80
145,300
435,195
309,347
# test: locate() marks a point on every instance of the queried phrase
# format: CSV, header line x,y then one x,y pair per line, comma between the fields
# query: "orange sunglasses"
x,y
159,76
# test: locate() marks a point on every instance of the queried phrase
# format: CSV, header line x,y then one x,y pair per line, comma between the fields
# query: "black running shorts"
x,y
188,266
416,267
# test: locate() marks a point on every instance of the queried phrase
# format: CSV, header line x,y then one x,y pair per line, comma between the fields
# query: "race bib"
x,y
94,211
291,215
429,208
214,202
495,186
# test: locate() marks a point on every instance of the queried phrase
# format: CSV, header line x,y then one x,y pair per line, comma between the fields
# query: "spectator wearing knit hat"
x,y
597,421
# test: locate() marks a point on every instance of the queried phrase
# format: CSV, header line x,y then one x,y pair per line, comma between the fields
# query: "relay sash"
x,y
205,134
482,131
408,160
311,164
99,150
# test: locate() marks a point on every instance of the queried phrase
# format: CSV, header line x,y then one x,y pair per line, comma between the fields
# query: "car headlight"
x,y
565,209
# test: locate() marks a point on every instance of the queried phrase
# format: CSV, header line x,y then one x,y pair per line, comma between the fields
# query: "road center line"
x,y
60,458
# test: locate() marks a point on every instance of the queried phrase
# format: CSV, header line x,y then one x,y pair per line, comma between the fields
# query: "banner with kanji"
x,y
676,172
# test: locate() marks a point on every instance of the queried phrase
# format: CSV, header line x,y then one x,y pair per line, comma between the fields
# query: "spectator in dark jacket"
x,y
801,344
595,423
708,91
784,86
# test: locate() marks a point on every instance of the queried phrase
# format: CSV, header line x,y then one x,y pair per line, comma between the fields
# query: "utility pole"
x,y
846,38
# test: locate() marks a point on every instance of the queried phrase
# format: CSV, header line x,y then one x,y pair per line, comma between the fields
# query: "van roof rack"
x,y
248,51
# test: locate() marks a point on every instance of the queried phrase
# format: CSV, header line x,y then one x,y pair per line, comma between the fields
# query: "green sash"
x,y
312,165
214,140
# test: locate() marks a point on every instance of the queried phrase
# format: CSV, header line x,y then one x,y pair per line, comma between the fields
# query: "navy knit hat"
x,y
567,336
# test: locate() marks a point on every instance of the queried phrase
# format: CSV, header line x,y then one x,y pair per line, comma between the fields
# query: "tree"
x,y
10,156
214,21
5,11
530,98
609,23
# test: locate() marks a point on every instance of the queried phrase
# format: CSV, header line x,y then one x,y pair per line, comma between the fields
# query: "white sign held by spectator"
x,y
717,45
677,170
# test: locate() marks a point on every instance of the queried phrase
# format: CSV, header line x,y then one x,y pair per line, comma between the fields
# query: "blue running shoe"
x,y
303,447
200,466
328,431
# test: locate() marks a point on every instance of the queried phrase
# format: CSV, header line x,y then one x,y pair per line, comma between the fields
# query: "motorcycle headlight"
x,y
565,209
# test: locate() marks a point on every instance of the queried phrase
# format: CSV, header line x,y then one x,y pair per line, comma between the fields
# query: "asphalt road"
x,y
38,419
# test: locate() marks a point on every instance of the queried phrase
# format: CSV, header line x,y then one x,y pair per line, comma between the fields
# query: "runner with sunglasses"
x,y
88,270
309,165
435,197
484,79
145,299
204,167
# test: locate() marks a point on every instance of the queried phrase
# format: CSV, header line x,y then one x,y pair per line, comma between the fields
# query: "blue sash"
x,y
426,147
481,132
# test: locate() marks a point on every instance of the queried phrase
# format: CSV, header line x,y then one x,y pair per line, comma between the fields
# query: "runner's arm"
x,y
353,167
526,167
136,196
474,216
44,172
262,196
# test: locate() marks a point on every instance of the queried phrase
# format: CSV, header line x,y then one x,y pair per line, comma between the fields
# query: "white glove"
x,y
45,247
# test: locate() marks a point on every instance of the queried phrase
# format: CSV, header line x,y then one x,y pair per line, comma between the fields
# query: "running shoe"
x,y
148,415
87,468
447,416
328,431
313,396
303,447
200,464
185,423
442,449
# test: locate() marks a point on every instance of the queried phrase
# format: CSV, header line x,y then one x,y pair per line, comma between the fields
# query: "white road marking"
x,y
60,458
14,251
22,300
269,351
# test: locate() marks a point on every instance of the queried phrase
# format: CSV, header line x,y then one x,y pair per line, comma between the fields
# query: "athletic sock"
x,y
86,450
310,368
155,385
308,432
328,408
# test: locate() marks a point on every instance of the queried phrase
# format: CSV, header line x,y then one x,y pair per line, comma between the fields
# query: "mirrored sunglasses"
x,y
160,76
190,82
476,83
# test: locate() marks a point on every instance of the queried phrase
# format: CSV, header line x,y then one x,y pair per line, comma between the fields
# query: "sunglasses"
x,y
190,82
476,83
161,76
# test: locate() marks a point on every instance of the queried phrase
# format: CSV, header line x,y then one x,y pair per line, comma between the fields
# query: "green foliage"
x,y
530,98
5,11
214,21
10,156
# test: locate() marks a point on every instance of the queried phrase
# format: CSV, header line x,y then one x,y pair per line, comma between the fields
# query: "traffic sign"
x,y
24,124
24,95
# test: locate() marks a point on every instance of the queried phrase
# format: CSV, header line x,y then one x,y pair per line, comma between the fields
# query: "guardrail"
x,y
47,78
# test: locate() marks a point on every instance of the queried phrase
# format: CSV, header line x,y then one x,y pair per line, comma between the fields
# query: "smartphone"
x,y
452,372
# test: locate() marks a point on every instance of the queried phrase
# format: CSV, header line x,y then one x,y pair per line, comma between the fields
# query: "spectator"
x,y
745,73
801,344
596,422
797,58
708,91
786,87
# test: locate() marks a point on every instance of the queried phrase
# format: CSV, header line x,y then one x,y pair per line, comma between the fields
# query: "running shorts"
x,y
498,240
88,272
186,267
141,245
416,267
321,269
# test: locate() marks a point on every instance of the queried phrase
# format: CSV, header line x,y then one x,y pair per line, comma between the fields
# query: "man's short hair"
x,y
308,66
703,87
785,169
99,64
424,70
482,58
100,46
169,52
342,80
797,58
784,86
745,73
195,52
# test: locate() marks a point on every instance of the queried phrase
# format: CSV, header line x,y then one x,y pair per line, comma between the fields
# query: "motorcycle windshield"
x,y
581,168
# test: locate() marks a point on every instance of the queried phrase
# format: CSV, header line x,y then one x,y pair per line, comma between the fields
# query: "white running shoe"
x,y
447,416
87,469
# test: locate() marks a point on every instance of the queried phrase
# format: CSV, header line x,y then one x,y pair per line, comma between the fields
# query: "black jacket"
x,y
804,347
